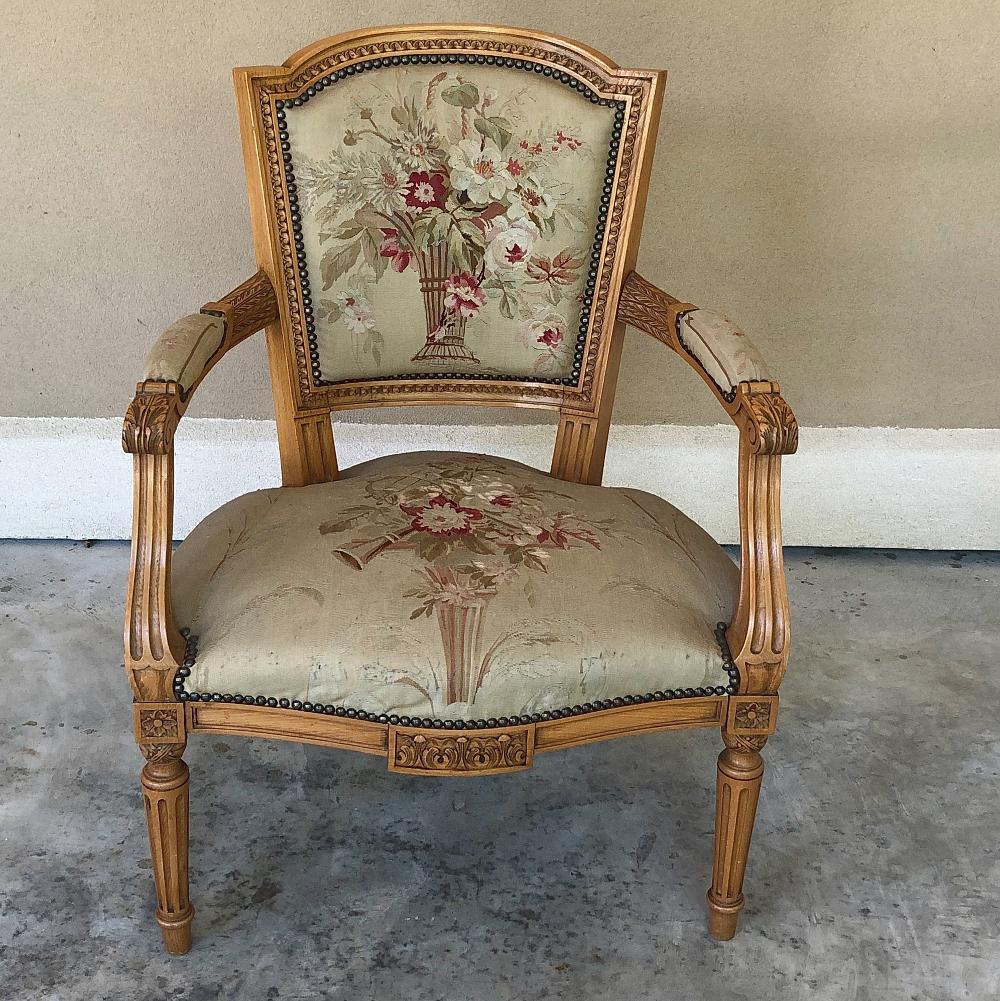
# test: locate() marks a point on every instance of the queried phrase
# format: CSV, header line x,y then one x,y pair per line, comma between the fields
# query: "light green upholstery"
x,y
182,351
452,586
448,217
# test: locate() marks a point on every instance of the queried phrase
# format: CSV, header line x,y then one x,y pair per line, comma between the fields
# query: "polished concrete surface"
x,y
875,870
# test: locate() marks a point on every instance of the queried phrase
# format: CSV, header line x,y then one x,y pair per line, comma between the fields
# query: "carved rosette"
x,y
158,723
152,418
770,424
750,717
159,729
435,753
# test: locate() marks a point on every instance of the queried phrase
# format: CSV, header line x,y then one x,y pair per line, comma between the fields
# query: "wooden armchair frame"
x,y
157,650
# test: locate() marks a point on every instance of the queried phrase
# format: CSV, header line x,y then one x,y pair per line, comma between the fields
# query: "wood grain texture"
x,y
373,738
153,643
280,724
250,307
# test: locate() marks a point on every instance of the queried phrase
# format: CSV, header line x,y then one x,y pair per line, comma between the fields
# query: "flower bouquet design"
x,y
443,178
474,534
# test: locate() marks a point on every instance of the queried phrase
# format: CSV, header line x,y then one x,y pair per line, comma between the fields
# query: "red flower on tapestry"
x,y
425,191
570,142
442,517
390,247
462,294
502,500
551,337
558,536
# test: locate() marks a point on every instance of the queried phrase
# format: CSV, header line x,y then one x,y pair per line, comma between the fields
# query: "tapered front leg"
x,y
165,792
739,774
160,730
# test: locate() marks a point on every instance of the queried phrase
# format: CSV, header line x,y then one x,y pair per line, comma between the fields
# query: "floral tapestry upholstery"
x,y
448,218
452,586
722,349
182,351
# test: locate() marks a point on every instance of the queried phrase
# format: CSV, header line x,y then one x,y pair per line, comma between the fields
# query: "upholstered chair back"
x,y
450,213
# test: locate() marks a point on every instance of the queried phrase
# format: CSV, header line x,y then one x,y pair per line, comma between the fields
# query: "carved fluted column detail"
x,y
315,457
758,636
165,792
739,774
154,647
759,633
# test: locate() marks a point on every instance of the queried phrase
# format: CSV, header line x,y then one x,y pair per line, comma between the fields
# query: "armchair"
x,y
450,214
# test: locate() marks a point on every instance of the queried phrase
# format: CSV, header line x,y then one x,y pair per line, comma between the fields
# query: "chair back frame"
x,y
303,401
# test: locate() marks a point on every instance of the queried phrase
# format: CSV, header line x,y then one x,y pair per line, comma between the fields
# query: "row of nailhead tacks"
x,y
452,724
296,216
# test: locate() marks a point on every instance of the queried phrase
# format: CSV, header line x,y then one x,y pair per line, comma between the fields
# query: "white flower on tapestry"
x,y
546,333
459,183
353,308
385,183
532,201
357,312
509,243
479,169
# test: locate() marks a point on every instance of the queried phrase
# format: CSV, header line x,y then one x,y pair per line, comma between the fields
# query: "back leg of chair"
x,y
165,793
739,774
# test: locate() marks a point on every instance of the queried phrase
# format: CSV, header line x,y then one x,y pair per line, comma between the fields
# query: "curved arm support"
x,y
758,636
154,647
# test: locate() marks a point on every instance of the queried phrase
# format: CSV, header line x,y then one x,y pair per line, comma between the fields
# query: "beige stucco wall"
x,y
827,174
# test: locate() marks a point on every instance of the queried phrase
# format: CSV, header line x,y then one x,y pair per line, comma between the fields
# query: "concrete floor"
x,y
875,871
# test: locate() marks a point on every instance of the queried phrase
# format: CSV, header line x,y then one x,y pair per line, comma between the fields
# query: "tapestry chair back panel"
x,y
449,214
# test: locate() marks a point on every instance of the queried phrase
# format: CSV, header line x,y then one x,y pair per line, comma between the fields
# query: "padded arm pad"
x,y
184,349
726,354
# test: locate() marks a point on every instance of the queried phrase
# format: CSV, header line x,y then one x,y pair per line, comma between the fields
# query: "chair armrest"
x,y
724,357
183,351
180,359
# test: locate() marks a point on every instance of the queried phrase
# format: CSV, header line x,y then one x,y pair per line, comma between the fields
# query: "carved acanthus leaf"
x,y
151,419
508,750
770,423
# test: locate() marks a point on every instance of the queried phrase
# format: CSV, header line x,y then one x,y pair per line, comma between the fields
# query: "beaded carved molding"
x,y
627,95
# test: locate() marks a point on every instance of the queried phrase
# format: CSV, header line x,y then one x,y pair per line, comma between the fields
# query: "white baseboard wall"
x,y
872,487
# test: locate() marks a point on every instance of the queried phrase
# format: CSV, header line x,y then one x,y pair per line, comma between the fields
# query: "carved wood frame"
x,y
497,745
154,647
301,403
758,636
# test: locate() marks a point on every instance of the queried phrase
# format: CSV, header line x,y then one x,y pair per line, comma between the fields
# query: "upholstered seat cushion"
x,y
452,586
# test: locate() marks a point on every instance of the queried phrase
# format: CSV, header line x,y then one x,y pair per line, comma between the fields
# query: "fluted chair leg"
x,y
165,792
739,774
